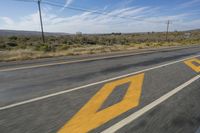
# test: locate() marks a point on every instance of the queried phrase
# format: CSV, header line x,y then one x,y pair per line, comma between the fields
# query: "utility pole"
x,y
168,23
43,39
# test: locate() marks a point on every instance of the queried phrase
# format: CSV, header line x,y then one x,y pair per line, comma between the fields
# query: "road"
x,y
154,91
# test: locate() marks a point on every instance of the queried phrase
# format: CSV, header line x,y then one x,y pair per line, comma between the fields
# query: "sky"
x,y
100,16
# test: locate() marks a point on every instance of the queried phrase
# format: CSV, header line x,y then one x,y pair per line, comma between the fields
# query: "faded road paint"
x,y
89,117
191,64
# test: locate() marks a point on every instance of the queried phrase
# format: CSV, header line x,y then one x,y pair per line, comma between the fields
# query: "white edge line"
x,y
88,85
70,62
145,109
83,60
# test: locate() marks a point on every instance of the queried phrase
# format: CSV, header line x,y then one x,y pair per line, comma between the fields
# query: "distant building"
x,y
79,33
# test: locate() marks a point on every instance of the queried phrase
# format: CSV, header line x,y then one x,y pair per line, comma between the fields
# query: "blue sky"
x,y
122,15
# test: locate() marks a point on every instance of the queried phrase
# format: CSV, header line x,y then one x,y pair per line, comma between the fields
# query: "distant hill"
x,y
37,33
195,30
27,33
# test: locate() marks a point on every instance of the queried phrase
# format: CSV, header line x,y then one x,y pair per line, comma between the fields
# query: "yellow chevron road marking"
x,y
191,64
89,117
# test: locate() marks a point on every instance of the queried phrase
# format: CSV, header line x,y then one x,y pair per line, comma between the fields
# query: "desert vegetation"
x,y
31,47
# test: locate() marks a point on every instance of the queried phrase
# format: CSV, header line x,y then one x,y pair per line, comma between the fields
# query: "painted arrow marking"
x,y
89,117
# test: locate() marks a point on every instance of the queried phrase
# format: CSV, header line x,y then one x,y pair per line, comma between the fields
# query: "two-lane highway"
x,y
145,92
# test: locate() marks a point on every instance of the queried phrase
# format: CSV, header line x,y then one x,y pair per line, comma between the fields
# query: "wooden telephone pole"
x,y
43,38
167,32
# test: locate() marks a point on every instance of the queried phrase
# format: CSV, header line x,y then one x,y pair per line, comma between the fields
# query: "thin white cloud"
x,y
67,3
95,23
7,20
190,3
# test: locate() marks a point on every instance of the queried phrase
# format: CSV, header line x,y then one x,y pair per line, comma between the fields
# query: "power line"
x,y
97,12
25,1
40,15
56,4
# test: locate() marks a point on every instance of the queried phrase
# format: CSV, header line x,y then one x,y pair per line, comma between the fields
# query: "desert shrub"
x,y
13,38
68,42
25,39
2,46
22,46
12,44
63,47
43,47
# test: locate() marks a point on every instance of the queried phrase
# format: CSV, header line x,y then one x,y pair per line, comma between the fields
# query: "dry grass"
x,y
28,54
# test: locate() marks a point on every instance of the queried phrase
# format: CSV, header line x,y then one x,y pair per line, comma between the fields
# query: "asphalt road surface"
x,y
153,91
